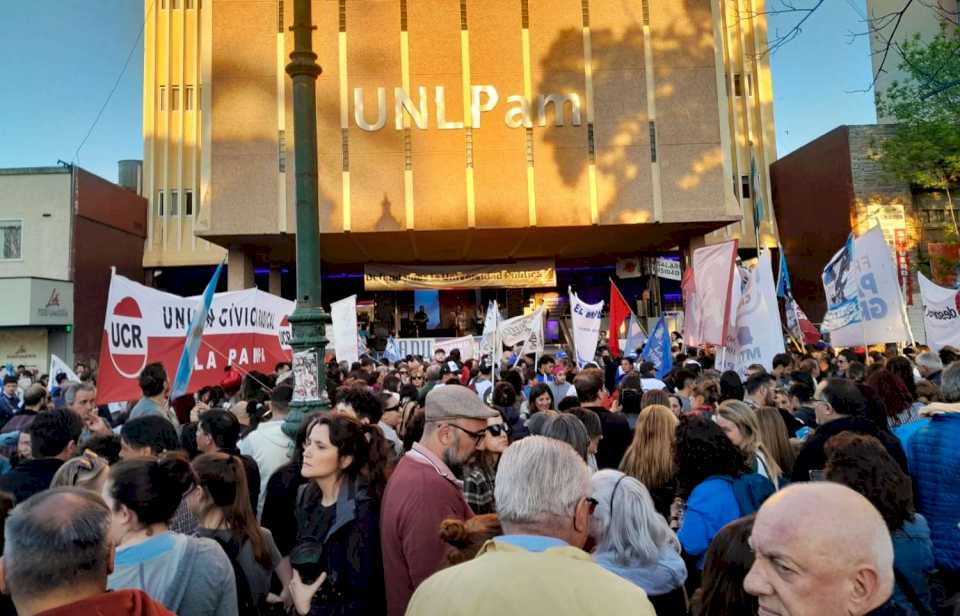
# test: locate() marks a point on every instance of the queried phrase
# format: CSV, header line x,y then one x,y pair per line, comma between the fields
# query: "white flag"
x,y
586,327
758,334
941,314
58,366
344,316
878,291
488,339
534,342
713,271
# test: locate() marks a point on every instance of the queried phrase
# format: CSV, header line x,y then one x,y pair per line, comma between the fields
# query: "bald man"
x,y
821,550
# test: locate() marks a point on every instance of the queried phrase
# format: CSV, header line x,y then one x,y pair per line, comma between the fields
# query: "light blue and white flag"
x,y
194,336
391,352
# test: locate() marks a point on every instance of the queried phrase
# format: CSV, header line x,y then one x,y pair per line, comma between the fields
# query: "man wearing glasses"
x,y
424,490
544,503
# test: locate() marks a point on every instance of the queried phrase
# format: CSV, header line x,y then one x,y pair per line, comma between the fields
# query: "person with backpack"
x,y
222,504
191,576
713,476
337,565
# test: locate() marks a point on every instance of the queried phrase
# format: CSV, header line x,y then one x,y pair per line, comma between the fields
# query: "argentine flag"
x,y
194,335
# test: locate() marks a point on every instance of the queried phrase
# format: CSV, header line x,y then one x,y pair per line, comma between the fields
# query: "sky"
x,y
61,58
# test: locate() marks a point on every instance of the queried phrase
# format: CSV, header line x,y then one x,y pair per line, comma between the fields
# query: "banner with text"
x,y
876,288
519,275
586,327
758,334
941,314
248,329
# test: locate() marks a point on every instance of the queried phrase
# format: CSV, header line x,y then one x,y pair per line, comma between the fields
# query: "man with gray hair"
x,y
930,367
57,557
537,566
821,549
934,458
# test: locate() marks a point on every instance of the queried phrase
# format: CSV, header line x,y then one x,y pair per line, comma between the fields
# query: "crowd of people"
x,y
826,484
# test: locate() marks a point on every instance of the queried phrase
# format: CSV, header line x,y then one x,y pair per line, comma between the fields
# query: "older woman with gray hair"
x,y
632,539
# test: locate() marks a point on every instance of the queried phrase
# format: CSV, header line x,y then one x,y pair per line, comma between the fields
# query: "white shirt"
x,y
270,448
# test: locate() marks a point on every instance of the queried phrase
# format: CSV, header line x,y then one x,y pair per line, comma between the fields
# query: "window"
x,y
174,98
188,98
188,203
163,98
653,142
745,186
282,150
163,4
189,4
160,203
11,232
280,16
737,84
173,4
749,84
174,205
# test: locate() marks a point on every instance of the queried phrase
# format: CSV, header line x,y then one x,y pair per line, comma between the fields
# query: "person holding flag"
x,y
657,349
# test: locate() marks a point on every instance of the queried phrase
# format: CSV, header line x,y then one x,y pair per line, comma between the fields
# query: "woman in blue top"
x,y
706,463
862,463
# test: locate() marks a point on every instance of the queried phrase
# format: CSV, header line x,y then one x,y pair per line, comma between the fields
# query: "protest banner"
x,y
343,314
586,327
247,329
713,271
941,314
757,335
467,345
872,282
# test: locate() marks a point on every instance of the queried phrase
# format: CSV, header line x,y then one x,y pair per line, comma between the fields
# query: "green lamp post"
x,y
308,319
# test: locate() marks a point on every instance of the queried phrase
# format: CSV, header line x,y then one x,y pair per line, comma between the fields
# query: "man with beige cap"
x,y
424,490
821,550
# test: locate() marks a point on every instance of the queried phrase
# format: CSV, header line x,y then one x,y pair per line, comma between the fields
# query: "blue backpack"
x,y
750,490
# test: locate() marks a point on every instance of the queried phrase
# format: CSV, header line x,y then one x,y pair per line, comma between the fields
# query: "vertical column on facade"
x,y
588,89
150,113
165,115
281,120
724,108
746,62
528,95
651,112
765,135
194,152
344,113
181,115
467,119
408,198
731,13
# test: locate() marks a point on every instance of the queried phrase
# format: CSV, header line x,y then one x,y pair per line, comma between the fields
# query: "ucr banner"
x,y
248,329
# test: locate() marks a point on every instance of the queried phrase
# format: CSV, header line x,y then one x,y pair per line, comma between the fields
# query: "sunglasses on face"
x,y
498,430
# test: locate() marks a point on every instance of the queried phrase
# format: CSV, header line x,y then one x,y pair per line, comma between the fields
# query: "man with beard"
x,y
425,490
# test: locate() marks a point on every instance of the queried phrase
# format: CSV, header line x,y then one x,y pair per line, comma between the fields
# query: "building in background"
x,y
62,229
454,135
924,19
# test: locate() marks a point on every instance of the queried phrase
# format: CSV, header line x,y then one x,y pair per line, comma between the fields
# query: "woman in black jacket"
x,y
336,560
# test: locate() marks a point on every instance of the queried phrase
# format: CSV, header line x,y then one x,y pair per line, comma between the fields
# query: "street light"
x,y
308,319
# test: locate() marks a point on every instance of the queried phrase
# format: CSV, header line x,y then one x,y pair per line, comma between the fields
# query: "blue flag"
x,y
783,276
758,211
657,349
194,335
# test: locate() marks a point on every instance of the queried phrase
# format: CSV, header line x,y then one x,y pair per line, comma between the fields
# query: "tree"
x,y
925,150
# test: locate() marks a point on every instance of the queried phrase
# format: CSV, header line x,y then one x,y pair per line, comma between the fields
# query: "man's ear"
x,y
581,517
865,588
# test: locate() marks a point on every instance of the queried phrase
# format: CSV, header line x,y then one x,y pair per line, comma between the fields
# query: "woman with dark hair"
x,y
480,473
703,455
727,563
731,387
862,463
897,401
505,400
541,399
336,560
222,504
903,368
189,575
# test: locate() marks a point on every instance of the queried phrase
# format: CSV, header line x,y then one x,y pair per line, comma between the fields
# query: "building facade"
x,y
457,133
54,299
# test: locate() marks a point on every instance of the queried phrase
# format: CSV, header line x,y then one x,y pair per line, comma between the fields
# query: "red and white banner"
x,y
247,329
717,293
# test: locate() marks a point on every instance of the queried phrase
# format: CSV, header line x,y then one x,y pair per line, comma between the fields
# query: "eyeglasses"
x,y
477,436
498,429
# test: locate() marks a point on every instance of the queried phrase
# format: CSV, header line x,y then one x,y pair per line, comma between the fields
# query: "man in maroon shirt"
x,y
424,491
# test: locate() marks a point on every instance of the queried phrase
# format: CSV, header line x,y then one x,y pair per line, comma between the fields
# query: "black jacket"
x,y
351,551
280,506
812,456
617,436
30,477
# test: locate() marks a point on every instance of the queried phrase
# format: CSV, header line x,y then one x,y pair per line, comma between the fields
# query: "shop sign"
x,y
668,268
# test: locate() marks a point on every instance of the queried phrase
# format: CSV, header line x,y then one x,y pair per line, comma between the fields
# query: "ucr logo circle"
x,y
127,338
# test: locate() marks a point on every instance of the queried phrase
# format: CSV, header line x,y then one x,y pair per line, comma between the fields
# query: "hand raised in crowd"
x,y
96,425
